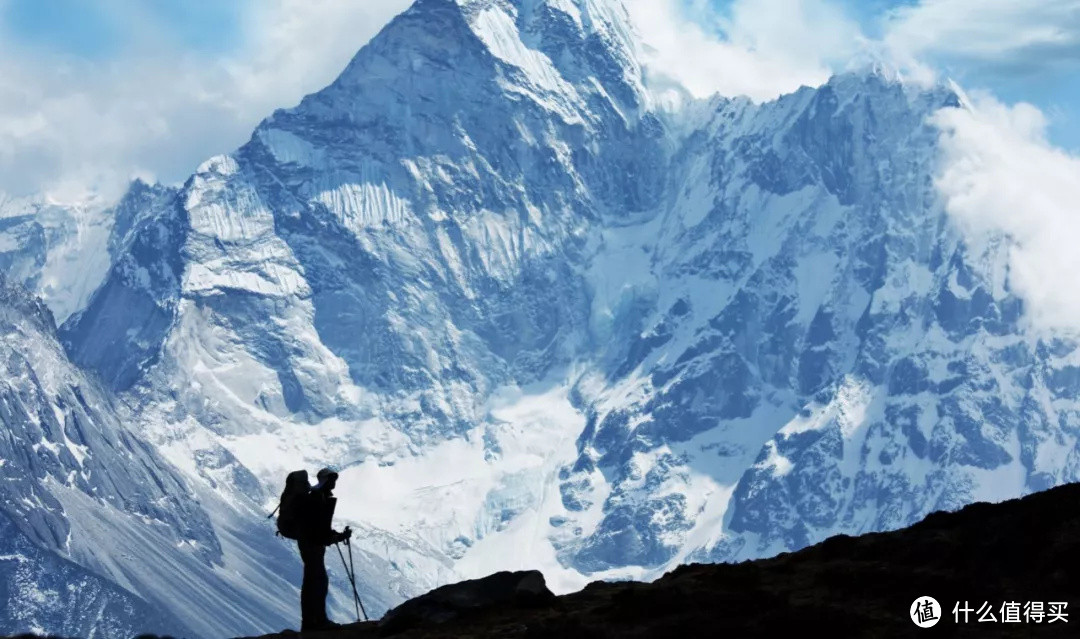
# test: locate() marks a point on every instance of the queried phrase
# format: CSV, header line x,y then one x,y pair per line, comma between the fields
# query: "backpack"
x,y
289,511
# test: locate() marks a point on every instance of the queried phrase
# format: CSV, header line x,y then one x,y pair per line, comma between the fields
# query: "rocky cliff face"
x,y
814,350
540,320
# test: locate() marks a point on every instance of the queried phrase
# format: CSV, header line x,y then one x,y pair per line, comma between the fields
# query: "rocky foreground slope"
x,y
1023,550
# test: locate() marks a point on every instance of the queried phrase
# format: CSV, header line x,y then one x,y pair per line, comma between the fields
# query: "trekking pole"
x,y
356,600
355,594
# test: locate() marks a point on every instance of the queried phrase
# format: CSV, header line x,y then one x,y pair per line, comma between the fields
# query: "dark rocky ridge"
x,y
1018,550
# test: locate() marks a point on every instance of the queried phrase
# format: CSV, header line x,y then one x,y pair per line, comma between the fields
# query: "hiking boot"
x,y
320,626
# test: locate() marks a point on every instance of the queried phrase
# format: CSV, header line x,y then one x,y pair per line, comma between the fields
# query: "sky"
x,y
95,93
1020,50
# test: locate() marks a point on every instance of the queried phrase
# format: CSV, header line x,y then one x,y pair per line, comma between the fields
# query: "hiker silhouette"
x,y
314,534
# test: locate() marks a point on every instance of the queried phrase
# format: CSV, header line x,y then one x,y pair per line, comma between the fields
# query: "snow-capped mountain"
x,y
57,250
540,319
319,297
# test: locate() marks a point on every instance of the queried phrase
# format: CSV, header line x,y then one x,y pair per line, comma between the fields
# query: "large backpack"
x,y
290,514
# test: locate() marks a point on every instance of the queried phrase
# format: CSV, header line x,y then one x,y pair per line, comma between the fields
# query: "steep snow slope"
x,y
541,323
44,593
91,509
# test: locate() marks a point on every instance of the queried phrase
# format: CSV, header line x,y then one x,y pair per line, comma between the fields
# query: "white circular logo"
x,y
925,612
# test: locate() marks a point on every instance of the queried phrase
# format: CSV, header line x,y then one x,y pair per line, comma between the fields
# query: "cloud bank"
x,y
72,125
1000,178
761,49
1015,33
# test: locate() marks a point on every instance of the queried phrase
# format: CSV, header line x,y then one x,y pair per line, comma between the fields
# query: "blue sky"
x,y
98,91
1046,76
98,30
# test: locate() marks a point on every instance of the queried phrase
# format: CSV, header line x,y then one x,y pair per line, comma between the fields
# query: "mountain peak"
x,y
560,53
873,61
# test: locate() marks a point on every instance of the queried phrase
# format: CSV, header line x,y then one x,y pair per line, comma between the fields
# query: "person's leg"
x,y
321,585
311,613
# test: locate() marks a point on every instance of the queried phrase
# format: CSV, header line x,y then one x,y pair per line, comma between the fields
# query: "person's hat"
x,y
326,473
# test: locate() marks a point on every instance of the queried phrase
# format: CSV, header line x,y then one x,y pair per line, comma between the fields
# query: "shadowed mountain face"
x,y
1017,551
540,320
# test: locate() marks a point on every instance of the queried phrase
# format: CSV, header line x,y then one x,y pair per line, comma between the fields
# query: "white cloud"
x,y
763,49
988,30
1000,176
68,126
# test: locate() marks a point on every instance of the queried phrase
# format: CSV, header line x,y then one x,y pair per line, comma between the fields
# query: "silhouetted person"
x,y
315,535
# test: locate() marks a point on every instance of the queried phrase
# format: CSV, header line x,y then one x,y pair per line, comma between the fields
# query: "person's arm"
x,y
336,536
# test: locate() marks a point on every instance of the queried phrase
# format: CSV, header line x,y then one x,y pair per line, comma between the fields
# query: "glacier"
x,y
539,314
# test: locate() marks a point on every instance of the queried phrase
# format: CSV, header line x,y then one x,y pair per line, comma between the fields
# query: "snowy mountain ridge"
x,y
55,249
542,319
